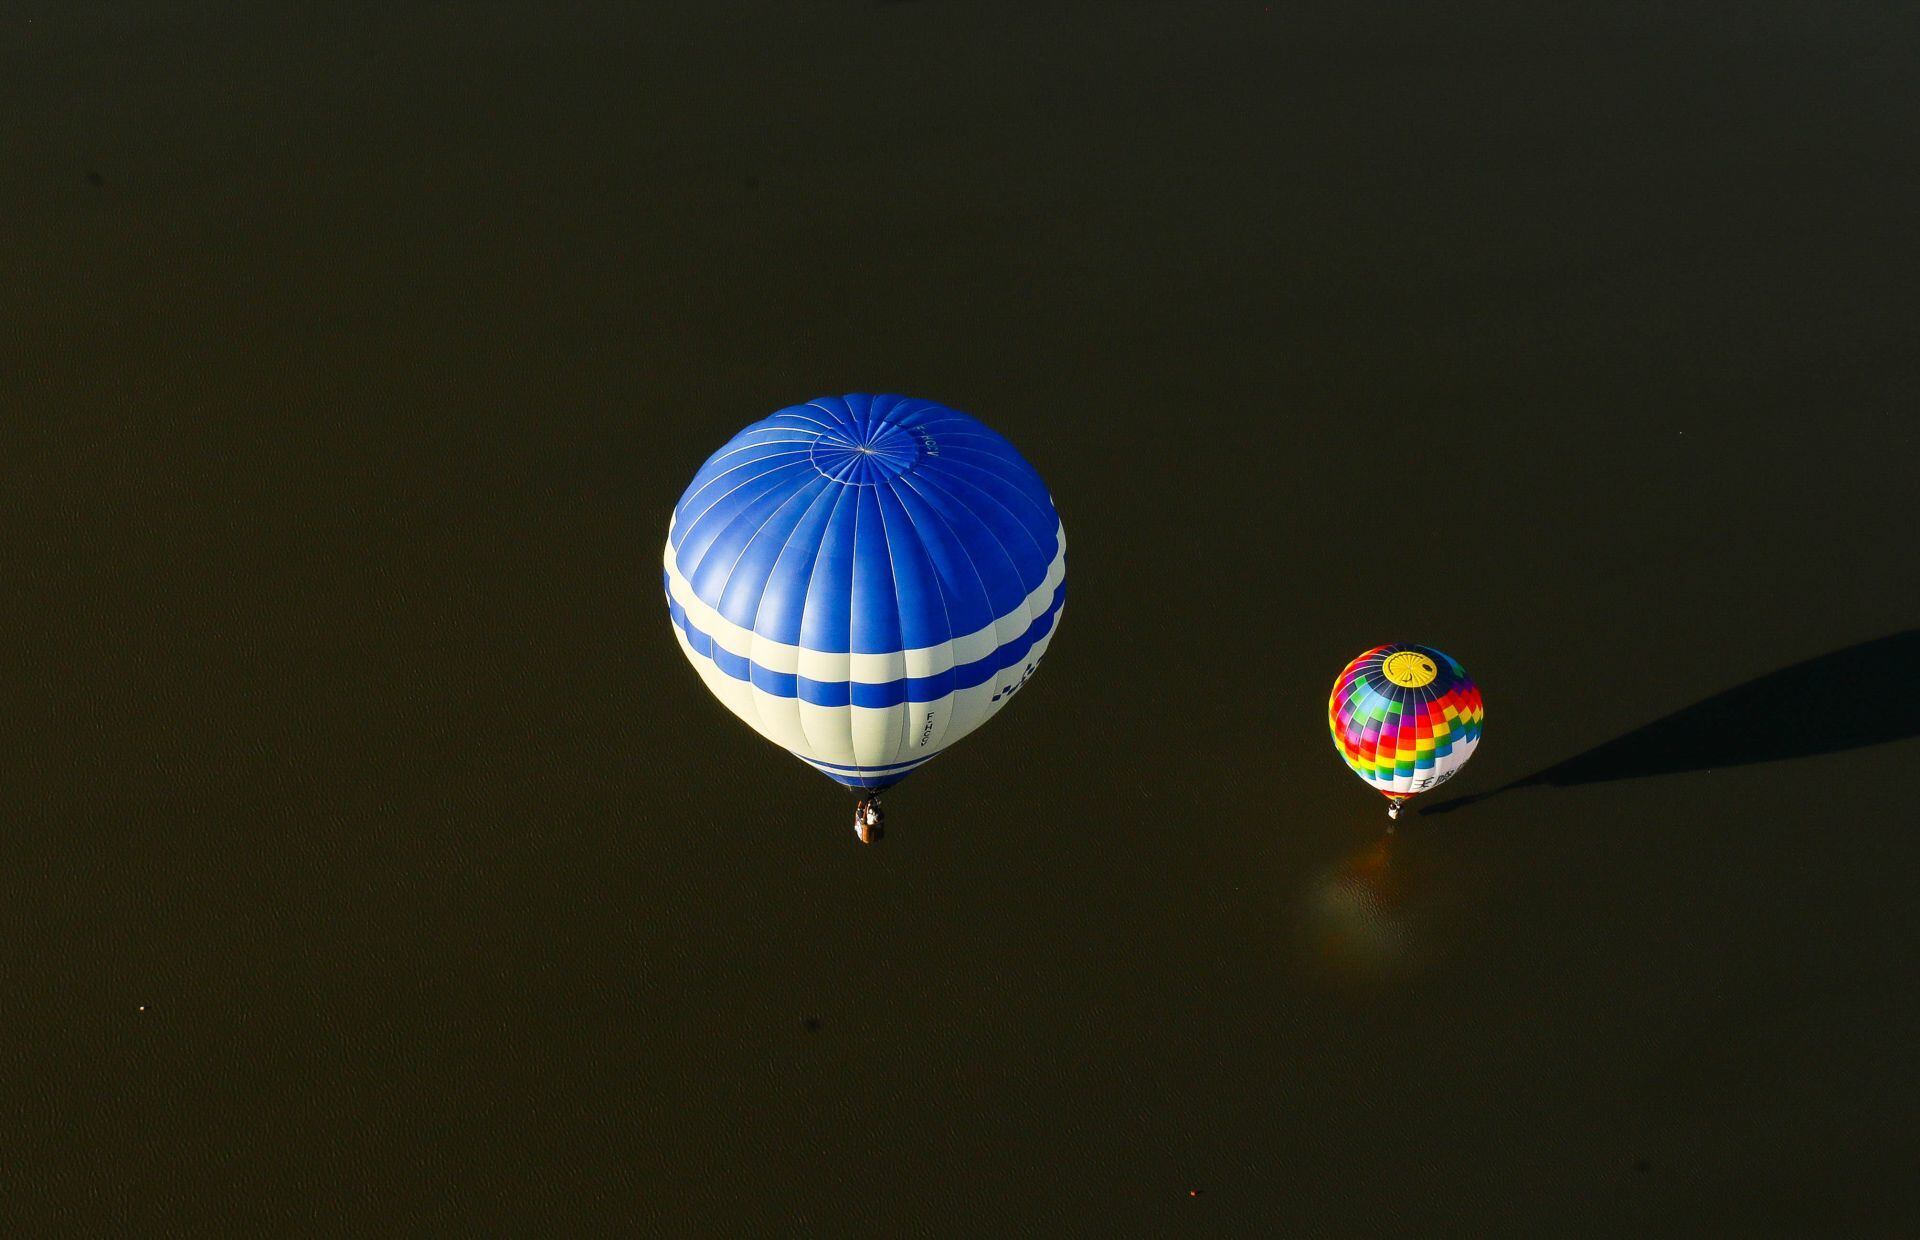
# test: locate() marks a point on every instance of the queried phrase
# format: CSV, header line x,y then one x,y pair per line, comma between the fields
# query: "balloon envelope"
x,y
865,580
1405,718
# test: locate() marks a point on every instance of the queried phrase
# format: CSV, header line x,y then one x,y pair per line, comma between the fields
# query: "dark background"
x,y
372,858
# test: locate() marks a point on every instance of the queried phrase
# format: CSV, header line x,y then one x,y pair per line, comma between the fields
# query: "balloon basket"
x,y
869,821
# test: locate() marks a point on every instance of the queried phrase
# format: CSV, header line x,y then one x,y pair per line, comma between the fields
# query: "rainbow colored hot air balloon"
x,y
864,580
1405,718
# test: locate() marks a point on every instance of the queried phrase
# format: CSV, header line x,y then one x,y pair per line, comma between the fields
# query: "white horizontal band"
x,y
866,668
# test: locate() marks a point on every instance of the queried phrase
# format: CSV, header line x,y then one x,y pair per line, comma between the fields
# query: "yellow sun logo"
x,y
1409,669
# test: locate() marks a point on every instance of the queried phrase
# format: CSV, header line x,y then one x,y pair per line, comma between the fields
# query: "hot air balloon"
x,y
1405,718
865,580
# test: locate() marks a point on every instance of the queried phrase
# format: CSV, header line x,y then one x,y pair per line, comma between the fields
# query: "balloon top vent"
x,y
1409,669
865,454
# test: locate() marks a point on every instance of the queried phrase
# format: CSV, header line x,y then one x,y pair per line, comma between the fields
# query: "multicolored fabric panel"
x,y
1405,718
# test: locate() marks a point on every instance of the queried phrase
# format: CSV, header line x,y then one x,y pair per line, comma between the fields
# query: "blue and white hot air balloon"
x,y
865,580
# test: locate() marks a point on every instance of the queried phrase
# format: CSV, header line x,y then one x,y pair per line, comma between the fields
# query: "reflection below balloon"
x,y
1368,917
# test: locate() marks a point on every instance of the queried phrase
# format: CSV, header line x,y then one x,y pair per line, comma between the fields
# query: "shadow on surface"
x,y
1864,695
